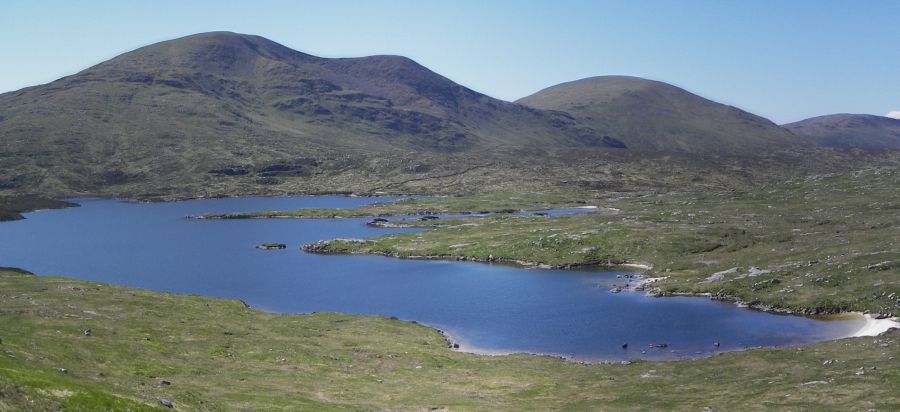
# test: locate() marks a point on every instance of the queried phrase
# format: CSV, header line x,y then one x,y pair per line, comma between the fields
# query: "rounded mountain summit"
x,y
199,110
652,115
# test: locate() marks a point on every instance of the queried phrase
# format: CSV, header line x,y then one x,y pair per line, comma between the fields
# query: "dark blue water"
x,y
491,308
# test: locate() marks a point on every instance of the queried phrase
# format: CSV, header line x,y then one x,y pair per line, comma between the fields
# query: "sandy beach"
x,y
875,327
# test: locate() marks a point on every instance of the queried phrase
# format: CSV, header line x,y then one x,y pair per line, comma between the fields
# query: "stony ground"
x,y
817,244
143,349
817,235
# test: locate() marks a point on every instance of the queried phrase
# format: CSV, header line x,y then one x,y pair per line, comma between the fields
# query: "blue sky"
x,y
786,60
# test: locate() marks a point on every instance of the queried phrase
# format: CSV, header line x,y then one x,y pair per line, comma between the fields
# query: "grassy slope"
x,y
488,203
828,242
225,113
188,345
849,130
220,355
651,115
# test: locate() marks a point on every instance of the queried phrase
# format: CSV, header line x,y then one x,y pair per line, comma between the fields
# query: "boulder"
x,y
165,402
378,221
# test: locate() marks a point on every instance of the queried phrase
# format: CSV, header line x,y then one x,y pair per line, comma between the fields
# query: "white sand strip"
x,y
875,327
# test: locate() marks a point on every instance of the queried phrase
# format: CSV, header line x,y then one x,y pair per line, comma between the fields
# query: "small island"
x,y
271,246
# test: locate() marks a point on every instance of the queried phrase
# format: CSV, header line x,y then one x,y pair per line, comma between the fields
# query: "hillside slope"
x,y
213,106
651,115
862,131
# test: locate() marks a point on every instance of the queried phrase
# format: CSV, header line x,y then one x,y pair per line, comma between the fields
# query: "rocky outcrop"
x,y
271,246
378,222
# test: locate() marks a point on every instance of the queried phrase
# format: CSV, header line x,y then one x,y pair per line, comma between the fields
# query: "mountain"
x,y
862,131
206,108
651,115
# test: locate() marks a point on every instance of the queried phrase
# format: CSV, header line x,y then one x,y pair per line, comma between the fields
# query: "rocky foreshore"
x,y
642,284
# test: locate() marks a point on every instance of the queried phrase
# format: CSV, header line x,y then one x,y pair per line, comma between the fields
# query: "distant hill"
x,y
222,105
651,115
862,131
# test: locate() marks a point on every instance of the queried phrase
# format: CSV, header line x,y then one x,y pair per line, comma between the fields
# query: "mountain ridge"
x,y
180,110
653,115
231,65
846,130
223,113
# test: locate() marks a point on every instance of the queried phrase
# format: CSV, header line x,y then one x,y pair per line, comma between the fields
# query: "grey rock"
x,y
165,402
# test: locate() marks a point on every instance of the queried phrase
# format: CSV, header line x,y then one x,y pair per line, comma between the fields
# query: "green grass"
x,y
25,388
220,355
486,203
687,218
823,243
